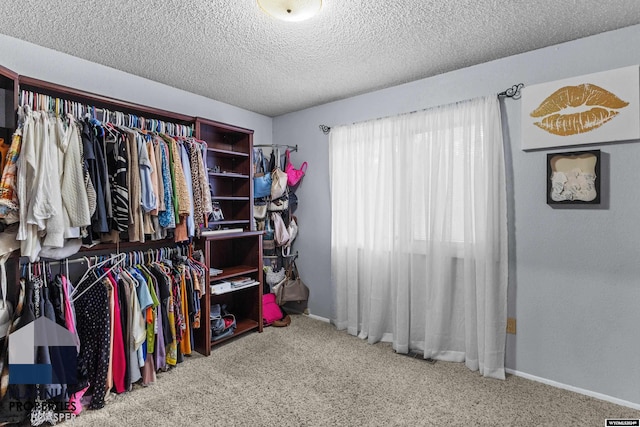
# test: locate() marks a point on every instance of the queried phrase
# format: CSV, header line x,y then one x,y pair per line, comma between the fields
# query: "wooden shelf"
x,y
242,326
227,153
236,198
229,175
223,223
239,270
230,149
236,289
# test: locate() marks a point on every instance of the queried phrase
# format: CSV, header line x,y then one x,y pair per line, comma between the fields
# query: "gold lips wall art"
x,y
595,108
602,106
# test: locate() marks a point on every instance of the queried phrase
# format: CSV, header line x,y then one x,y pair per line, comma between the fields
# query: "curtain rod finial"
x,y
513,91
325,129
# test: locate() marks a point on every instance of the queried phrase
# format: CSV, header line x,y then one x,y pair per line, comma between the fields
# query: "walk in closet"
x,y
184,243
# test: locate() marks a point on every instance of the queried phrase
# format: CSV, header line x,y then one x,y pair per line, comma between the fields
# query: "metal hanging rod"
x,y
293,255
78,258
60,106
513,92
290,147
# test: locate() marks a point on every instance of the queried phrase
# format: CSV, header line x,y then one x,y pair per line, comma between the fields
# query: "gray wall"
x,y
573,273
45,64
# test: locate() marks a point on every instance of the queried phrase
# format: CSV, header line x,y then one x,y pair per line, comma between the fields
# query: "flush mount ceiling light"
x,y
291,10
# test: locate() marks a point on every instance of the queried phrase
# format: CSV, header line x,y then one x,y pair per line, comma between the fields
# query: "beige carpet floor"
x,y
310,374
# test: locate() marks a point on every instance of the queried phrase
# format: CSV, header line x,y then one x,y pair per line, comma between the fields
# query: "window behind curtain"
x,y
418,235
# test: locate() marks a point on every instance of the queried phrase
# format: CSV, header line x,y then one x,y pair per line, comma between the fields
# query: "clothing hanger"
x,y
118,260
45,283
91,267
111,132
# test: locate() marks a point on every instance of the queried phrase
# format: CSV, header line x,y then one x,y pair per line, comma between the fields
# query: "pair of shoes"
x,y
285,321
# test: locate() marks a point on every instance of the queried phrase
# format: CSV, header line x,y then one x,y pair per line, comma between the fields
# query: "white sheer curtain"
x,y
419,235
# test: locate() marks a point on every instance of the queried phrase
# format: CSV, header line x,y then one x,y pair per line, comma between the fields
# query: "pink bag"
x,y
294,175
270,310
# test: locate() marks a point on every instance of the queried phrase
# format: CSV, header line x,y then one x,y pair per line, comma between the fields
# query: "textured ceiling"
x,y
231,51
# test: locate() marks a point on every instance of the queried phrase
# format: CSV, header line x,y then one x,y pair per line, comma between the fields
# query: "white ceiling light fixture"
x,y
291,10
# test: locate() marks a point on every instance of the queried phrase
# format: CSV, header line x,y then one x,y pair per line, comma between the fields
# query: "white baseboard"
x,y
323,319
590,393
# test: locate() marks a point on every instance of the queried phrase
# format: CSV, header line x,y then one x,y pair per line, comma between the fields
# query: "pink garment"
x,y
148,371
74,406
75,401
119,362
109,285
69,317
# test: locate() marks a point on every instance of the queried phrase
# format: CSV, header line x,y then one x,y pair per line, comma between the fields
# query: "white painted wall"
x,y
45,64
574,274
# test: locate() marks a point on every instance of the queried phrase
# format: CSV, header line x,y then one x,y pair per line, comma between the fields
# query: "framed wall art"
x,y
573,178
594,108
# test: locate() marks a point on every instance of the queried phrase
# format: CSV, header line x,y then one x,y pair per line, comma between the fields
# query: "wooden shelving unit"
x,y
229,160
8,103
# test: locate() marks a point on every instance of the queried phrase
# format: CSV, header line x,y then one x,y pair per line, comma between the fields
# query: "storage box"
x,y
220,287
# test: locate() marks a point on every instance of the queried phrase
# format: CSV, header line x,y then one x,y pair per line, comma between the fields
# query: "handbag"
x,y
279,205
271,164
292,228
273,276
270,309
278,181
261,185
268,244
293,201
260,211
260,214
292,287
223,324
261,180
280,232
294,175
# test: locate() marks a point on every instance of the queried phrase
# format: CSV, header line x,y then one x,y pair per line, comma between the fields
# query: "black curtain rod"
x,y
513,92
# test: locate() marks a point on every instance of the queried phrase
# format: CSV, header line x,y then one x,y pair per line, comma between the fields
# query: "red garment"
x,y
119,361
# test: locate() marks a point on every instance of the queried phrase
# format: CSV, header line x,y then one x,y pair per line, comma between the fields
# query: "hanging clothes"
x,y
9,204
74,196
136,227
186,168
118,355
117,164
125,299
68,178
93,325
94,161
166,215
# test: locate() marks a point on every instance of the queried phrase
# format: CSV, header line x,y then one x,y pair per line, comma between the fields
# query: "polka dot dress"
x,y
92,318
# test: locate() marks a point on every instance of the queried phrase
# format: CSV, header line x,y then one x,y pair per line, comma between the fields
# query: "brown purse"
x,y
292,288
